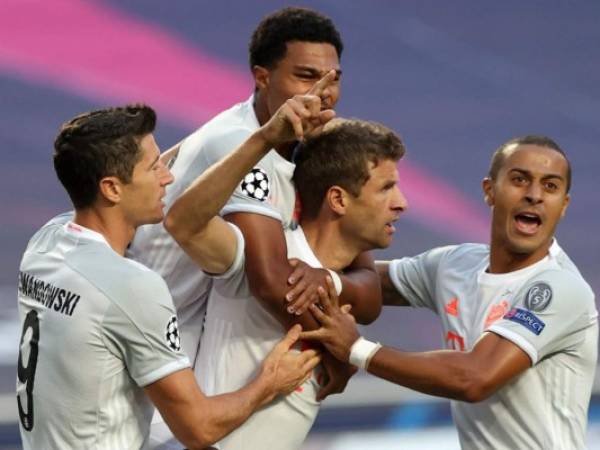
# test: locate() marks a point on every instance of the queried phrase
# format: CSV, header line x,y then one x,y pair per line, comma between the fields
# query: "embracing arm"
x,y
193,219
467,376
391,296
198,421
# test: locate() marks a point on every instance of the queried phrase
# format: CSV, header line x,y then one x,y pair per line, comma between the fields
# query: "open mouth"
x,y
527,222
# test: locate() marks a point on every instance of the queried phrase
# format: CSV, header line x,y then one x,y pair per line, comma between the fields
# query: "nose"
x,y
534,193
399,202
165,175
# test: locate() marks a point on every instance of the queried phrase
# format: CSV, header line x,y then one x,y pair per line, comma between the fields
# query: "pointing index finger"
x,y
318,88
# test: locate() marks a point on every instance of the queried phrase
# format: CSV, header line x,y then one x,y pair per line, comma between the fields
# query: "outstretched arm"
x,y
193,220
198,421
468,376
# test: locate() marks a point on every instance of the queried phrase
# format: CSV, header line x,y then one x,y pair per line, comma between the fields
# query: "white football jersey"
x,y
268,190
547,309
238,335
97,328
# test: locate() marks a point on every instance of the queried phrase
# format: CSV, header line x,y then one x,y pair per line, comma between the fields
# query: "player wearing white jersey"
x,y
353,165
100,342
519,316
290,50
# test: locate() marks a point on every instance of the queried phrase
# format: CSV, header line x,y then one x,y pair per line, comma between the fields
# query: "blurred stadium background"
x,y
455,79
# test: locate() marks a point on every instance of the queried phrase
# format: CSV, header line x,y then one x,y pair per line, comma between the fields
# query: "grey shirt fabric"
x,y
97,329
547,309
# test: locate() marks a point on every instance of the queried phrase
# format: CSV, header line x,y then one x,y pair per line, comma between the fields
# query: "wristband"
x,y
362,351
337,281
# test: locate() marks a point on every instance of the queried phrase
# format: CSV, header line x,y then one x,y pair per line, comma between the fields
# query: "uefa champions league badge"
x,y
256,184
538,297
172,335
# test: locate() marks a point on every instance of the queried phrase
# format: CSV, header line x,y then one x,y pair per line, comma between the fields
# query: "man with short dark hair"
x,y
336,230
520,323
290,51
100,341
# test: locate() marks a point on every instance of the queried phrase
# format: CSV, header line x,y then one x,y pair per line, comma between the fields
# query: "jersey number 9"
x,y
26,374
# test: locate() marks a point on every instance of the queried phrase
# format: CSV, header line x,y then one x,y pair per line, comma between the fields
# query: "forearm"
x,y
443,373
362,290
199,421
192,211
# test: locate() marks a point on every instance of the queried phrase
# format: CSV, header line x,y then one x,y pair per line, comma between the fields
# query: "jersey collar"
x,y
81,232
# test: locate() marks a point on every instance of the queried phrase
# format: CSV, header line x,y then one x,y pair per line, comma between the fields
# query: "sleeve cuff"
x,y
163,371
238,260
516,339
250,208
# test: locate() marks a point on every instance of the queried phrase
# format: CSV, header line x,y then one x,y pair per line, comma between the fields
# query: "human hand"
x,y
337,375
285,370
304,281
338,328
300,116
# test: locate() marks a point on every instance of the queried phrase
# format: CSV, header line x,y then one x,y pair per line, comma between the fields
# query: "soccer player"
x,y
100,341
347,181
519,321
290,51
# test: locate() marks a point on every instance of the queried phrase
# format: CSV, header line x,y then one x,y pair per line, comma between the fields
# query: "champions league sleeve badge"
x,y
256,184
172,335
538,297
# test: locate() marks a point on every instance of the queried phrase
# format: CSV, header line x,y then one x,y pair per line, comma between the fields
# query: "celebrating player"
x,y
347,180
290,51
100,340
519,320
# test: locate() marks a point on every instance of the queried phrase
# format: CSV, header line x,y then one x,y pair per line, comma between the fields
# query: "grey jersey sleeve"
x,y
551,309
252,193
141,327
415,277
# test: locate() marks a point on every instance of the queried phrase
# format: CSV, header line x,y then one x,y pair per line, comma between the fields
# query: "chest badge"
x,y
452,307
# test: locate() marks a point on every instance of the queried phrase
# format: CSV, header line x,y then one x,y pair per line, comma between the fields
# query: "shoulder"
x,y
224,132
120,279
561,285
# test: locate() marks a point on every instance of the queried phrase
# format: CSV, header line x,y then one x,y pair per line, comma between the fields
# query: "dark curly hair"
x,y
97,144
268,44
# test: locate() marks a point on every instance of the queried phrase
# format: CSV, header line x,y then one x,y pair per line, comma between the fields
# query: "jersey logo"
x,y
172,335
256,184
496,312
455,341
526,318
452,307
538,297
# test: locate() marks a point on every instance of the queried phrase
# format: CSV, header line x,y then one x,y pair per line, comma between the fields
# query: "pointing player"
x,y
347,180
519,320
290,51
100,341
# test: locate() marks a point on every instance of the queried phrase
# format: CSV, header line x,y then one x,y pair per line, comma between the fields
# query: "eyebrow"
x,y
529,174
316,72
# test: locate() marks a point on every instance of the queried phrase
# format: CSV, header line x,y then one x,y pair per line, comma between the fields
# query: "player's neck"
x,y
503,260
109,224
328,244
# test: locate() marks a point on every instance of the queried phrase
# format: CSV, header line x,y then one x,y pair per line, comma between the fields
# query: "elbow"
x,y
474,389
202,439
368,314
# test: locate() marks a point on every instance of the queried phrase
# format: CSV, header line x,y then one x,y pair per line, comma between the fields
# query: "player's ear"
x,y
111,189
337,200
261,77
565,205
488,191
